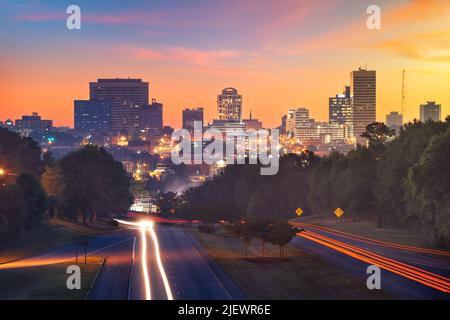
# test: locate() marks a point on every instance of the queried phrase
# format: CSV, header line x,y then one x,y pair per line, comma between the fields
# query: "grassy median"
x,y
299,276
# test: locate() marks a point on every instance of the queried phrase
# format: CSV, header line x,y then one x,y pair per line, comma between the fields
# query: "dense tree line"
x,y
400,181
86,183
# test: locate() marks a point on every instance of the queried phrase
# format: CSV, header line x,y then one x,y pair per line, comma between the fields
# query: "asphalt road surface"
x,y
185,270
406,272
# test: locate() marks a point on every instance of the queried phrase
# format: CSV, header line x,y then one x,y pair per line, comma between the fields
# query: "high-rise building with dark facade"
x,y
430,111
229,105
151,118
190,116
33,123
340,110
364,106
92,115
126,97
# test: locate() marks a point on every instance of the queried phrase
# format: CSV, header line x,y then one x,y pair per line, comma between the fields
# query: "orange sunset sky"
x,y
278,54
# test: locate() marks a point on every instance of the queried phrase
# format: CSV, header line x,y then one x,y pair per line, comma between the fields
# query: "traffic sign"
x,y
339,212
299,211
172,211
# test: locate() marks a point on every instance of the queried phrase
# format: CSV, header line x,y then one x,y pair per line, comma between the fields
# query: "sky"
x,y
279,54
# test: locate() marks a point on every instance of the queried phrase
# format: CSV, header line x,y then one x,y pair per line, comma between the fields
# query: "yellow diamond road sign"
x,y
338,212
299,211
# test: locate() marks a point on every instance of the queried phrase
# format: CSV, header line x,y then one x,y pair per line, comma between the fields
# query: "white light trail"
x,y
148,292
145,226
159,262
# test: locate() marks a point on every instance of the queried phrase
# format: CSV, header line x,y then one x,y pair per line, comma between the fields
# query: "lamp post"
x,y
2,177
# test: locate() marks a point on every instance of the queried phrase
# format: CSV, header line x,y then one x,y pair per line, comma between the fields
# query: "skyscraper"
x,y
301,118
430,111
394,120
125,96
190,116
364,89
92,115
340,110
229,105
151,118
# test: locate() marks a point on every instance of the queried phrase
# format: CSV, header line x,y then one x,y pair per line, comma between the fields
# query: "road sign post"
x,y
76,251
85,252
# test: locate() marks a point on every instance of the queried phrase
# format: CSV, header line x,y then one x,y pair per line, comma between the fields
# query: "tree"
x,y
53,183
19,154
94,185
242,230
281,233
429,188
392,170
378,133
35,200
167,202
12,208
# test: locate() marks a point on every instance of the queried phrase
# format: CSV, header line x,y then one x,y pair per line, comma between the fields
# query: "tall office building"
x,y
92,115
151,118
301,118
290,123
229,105
125,96
340,111
430,111
394,120
364,89
189,116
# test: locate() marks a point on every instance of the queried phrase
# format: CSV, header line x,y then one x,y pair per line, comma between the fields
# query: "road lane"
x,y
193,276
391,282
112,281
176,266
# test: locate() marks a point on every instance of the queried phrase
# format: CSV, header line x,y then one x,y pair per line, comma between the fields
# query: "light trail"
x,y
159,262
374,241
148,292
144,226
413,273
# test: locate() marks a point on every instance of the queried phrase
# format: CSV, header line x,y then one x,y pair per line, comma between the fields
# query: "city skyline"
x,y
277,62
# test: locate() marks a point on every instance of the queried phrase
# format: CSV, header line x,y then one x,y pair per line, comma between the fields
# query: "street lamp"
x,y
2,172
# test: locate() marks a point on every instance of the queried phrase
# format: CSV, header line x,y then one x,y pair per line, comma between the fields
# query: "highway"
x,y
407,272
169,264
145,261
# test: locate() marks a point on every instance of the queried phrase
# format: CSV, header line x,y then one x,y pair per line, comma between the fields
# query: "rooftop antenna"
x,y
402,111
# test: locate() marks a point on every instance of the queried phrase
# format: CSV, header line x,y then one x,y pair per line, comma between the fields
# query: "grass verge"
x,y
370,229
52,233
300,276
46,282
